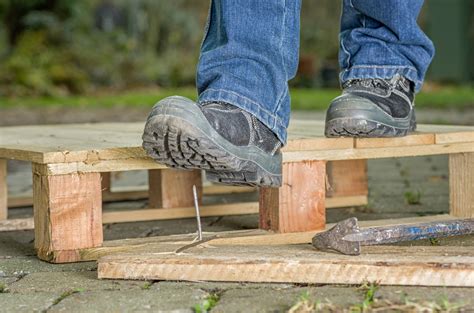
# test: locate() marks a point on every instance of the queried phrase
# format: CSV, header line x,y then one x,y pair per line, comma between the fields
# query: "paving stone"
x,y
265,299
345,297
18,243
60,282
179,299
33,302
18,266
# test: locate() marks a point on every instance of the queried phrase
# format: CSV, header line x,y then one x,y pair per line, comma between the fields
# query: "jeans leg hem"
x,y
381,71
269,119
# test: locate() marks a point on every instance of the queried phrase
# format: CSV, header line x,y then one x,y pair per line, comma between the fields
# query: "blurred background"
x,y
107,53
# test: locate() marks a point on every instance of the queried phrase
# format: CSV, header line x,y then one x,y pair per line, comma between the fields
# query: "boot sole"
x,y
178,135
364,119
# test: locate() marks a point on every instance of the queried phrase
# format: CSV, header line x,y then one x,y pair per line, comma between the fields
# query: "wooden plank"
x,y
240,237
377,153
152,214
461,185
449,133
299,205
288,157
17,224
415,139
117,165
173,188
67,214
347,178
305,237
182,212
3,190
124,193
121,141
388,265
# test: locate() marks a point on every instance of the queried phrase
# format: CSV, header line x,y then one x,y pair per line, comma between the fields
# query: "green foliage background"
x,y
60,47
75,47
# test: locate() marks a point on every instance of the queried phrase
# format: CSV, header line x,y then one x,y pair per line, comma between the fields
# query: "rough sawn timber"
x,y
388,265
251,237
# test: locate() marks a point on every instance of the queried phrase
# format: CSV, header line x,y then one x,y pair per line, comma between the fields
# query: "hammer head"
x,y
333,239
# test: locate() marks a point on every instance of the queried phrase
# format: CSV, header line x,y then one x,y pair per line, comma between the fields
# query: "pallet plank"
x,y
252,237
124,193
388,265
117,141
155,214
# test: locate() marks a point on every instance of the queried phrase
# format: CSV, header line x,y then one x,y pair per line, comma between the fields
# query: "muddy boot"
x,y
229,143
373,108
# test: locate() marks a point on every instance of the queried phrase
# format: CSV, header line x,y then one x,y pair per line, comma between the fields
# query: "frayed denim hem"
x,y
268,118
381,71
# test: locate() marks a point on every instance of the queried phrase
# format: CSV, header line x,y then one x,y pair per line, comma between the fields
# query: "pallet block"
x,y
461,184
68,214
249,256
60,155
173,188
299,204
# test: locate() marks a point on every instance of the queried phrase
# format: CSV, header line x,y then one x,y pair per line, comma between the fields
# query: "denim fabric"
x,y
381,38
250,51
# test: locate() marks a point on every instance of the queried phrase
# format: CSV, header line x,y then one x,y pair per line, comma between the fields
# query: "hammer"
x,y
346,237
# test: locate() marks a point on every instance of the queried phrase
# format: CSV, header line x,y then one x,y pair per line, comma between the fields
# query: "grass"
x,y
302,99
370,303
3,288
413,197
207,304
66,294
147,285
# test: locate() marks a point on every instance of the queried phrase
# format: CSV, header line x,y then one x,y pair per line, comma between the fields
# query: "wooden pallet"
x,y
285,258
68,161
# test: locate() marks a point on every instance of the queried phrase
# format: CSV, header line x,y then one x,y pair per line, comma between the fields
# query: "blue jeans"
x,y
250,51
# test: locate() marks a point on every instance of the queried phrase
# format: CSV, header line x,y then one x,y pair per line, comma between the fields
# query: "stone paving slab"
x,y
59,282
34,302
19,266
162,300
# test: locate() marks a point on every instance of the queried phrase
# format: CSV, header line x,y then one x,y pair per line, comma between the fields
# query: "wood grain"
x,y
3,190
154,214
299,205
122,141
388,265
173,188
461,185
249,237
106,182
67,214
124,193
347,178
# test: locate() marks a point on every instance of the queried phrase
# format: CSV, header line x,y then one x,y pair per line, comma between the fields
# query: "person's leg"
x,y
383,56
234,132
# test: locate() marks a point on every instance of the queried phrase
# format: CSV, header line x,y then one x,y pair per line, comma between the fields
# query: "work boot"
x,y
373,108
233,146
